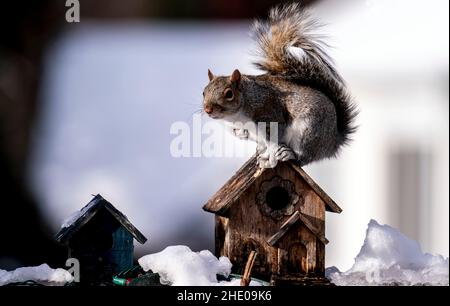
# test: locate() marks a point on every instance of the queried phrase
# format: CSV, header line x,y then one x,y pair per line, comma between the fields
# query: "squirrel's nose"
x,y
208,109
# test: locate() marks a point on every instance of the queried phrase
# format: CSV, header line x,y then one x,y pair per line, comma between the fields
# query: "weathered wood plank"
x,y
289,223
221,236
320,255
246,277
245,176
284,228
313,229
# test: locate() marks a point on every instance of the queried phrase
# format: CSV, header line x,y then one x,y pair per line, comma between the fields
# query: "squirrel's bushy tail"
x,y
288,46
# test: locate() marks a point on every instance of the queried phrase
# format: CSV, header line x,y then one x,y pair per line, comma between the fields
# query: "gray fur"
x,y
301,91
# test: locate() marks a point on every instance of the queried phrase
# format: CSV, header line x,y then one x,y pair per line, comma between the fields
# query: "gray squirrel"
x,y
301,91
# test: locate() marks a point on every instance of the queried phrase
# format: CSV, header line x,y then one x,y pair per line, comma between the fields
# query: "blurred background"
x,y
86,108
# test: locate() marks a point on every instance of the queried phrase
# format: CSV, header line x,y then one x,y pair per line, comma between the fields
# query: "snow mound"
x,y
388,257
180,266
42,274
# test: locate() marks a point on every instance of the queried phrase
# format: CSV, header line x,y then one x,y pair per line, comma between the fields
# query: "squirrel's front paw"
x,y
265,163
241,133
270,158
284,153
266,160
261,149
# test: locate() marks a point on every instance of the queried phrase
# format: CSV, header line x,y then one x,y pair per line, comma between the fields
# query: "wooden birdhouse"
x,y
101,238
280,214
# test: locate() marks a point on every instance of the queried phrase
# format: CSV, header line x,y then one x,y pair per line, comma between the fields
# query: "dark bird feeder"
x,y
101,238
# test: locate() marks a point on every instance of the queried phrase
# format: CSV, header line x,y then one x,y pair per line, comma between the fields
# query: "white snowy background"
x,y
112,91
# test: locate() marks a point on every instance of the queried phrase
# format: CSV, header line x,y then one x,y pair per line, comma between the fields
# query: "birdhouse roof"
x,y
290,222
83,216
246,176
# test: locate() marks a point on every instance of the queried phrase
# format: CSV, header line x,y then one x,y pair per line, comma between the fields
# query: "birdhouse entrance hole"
x,y
277,198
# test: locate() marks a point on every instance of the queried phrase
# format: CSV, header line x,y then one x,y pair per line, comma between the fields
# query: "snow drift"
x,y
42,274
180,266
388,257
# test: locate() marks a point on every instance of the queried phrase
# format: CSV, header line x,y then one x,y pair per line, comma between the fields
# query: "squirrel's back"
x,y
288,47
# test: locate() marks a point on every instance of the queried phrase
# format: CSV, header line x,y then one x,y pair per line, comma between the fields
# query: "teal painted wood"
x,y
121,254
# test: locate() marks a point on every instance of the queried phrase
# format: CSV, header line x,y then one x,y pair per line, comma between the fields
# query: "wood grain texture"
x,y
289,245
290,223
246,276
313,229
229,193
221,236
284,228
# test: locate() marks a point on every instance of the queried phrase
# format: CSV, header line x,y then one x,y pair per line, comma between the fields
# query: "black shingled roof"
x,y
89,211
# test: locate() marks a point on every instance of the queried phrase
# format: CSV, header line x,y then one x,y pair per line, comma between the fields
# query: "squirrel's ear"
x,y
210,75
235,76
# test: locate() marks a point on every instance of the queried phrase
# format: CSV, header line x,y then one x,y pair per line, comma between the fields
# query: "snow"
x,y
388,257
180,266
74,216
42,274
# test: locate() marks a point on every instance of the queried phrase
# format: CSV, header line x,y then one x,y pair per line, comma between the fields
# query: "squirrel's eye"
x,y
228,94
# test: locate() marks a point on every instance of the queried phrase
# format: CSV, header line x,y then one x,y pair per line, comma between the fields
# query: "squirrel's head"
x,y
221,96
